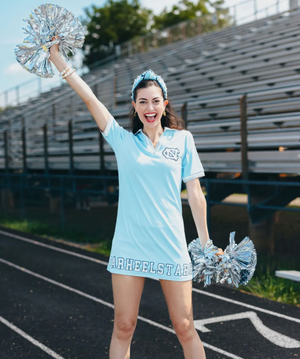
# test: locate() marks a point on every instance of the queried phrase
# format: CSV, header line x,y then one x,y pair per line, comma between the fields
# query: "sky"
x,y
11,23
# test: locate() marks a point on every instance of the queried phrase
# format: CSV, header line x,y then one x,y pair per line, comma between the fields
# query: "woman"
x,y
149,239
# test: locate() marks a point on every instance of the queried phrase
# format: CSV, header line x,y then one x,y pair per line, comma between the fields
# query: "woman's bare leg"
x,y
127,291
179,300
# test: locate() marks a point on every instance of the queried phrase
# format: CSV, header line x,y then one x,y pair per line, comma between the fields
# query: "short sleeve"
x,y
114,134
191,164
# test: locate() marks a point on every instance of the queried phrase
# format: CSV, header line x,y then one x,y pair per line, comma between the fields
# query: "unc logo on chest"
x,y
171,153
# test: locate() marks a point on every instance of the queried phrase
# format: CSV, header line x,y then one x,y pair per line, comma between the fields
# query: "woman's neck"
x,y
153,133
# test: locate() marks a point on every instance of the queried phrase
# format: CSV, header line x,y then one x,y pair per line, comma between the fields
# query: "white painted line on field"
x,y
79,292
52,247
216,296
30,339
258,309
274,337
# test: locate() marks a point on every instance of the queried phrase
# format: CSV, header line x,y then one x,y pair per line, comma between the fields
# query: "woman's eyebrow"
x,y
146,99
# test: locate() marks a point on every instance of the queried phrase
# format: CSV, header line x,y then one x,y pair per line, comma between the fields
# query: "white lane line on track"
x,y
274,337
29,338
216,296
98,300
31,241
258,309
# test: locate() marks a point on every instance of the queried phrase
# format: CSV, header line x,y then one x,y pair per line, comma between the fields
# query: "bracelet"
x,y
65,70
68,73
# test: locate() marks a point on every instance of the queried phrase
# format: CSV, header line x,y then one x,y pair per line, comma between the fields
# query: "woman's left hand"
x,y
220,253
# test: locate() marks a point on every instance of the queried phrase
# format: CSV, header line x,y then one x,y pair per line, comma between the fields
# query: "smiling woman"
x,y
156,107
149,239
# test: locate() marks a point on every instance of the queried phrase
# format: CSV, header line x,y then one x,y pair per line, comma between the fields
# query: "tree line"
x,y
118,21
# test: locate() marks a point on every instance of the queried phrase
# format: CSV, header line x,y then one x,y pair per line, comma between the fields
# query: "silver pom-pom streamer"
x,y
236,266
203,261
238,263
43,24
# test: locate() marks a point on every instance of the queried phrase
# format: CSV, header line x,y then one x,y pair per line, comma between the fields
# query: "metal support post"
x,y
46,160
71,154
101,152
22,209
71,112
54,118
24,149
184,114
208,205
244,144
115,92
6,151
62,204
71,107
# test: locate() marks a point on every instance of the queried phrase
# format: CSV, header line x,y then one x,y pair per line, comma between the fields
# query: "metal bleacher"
x,y
207,75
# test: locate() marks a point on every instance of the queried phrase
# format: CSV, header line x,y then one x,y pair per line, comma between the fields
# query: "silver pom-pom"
x,y
43,24
236,266
203,261
238,263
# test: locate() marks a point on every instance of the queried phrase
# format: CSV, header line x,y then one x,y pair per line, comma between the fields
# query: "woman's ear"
x,y
133,104
166,102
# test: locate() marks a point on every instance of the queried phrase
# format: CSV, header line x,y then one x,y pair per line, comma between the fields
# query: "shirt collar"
x,y
140,130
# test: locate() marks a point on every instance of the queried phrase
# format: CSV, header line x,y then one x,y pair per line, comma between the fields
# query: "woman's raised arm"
x,y
96,108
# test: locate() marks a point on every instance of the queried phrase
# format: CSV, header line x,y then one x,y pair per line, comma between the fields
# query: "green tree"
x,y
112,24
187,10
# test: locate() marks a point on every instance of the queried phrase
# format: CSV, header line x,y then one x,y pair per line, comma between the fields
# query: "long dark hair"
x,y
171,120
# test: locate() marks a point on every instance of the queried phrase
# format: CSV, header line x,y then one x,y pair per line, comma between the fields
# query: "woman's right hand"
x,y
54,48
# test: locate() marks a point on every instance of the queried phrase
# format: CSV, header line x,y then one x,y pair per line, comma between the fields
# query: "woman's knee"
x,y
184,329
124,328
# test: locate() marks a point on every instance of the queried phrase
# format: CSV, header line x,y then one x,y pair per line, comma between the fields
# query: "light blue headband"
x,y
149,75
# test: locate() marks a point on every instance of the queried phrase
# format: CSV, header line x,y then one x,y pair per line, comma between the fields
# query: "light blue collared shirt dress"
x,y
149,238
